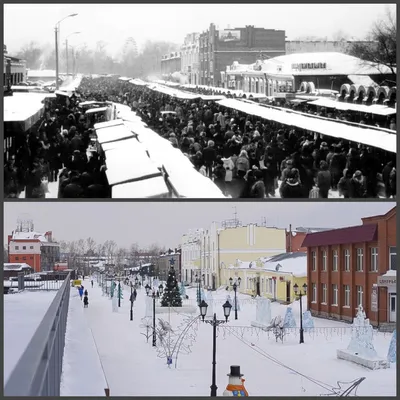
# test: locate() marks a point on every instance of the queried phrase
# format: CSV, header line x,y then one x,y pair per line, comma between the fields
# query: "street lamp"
x,y
131,302
160,289
57,32
301,294
214,323
66,46
147,287
235,285
154,319
119,293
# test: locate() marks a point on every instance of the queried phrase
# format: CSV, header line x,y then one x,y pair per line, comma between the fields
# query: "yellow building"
x,y
209,253
272,277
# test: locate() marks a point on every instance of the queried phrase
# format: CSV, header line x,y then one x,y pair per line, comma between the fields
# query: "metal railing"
x,y
52,282
38,371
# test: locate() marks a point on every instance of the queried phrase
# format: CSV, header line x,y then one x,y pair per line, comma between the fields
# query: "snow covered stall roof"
x,y
367,136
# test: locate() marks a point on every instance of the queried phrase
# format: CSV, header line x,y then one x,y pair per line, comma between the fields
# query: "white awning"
x,y
371,137
148,188
96,110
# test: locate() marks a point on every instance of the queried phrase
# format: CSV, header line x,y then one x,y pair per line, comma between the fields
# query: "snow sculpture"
x,y
263,311
362,336
289,321
308,321
210,308
114,303
392,349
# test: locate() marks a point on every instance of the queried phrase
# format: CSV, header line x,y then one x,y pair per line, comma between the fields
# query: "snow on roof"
x,y
390,272
15,266
336,63
44,73
29,236
289,263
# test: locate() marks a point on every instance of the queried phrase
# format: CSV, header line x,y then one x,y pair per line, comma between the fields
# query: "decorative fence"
x,y
38,371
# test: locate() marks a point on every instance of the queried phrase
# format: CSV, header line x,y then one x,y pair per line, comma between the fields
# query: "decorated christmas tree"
x,y
171,295
113,285
120,292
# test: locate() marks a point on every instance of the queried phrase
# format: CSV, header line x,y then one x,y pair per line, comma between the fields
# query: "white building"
x,y
190,53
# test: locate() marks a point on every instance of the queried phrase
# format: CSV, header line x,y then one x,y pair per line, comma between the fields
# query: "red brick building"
x,y
351,266
219,48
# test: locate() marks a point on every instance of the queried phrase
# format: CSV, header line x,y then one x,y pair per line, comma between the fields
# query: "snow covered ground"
x,y
132,367
23,313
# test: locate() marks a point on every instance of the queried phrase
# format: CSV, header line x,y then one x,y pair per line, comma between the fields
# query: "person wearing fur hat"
x,y
291,188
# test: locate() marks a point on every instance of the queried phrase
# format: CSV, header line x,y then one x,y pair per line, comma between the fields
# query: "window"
x,y
374,259
334,295
16,258
314,292
347,260
324,290
346,295
31,247
334,260
360,260
324,259
360,293
24,258
313,261
392,258
270,286
23,247
16,247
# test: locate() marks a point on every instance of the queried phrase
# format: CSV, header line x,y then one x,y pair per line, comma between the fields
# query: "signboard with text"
x,y
374,299
386,281
229,35
318,65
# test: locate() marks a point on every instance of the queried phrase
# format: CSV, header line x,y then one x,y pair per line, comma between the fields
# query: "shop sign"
x,y
374,299
318,65
386,281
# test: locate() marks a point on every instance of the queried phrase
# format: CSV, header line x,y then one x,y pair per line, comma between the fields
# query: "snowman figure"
x,y
236,383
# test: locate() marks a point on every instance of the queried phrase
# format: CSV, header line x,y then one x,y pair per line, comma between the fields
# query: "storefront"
x,y
387,283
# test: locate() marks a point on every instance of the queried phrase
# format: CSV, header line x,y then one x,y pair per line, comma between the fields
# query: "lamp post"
x,y
235,285
147,287
57,33
214,323
131,315
301,294
66,47
119,293
154,318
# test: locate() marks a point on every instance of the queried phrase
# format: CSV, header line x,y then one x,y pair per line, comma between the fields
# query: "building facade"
x,y
171,66
219,48
209,253
271,277
354,266
12,270
320,46
38,250
190,55
164,262
14,70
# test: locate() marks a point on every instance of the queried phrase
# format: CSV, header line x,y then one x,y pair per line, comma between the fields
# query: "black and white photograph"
x,y
142,101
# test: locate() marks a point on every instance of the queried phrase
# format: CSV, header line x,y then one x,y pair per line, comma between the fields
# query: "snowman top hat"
x,y
235,371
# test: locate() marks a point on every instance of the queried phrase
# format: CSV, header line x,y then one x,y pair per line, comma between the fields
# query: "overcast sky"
x,y
165,223
114,23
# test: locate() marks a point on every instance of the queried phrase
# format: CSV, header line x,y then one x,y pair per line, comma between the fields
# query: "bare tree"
x,y
120,256
383,49
31,53
90,246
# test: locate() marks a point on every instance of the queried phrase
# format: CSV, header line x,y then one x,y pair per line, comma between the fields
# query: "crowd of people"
x,y
245,156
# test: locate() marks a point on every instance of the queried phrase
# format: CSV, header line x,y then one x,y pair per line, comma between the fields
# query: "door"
x,y
392,307
288,292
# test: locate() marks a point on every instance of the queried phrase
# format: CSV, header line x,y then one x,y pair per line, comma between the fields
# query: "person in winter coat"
x,y
92,282
291,188
80,290
257,191
358,187
86,292
392,182
86,302
387,169
219,175
344,184
324,180
242,163
209,157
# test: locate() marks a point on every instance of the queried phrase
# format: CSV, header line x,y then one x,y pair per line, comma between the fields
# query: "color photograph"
x,y
202,297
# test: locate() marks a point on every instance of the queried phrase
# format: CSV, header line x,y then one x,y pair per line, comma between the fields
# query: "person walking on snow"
x,y
92,283
80,290
85,302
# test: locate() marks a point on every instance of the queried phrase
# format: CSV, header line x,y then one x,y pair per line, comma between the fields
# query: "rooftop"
x,y
353,234
15,266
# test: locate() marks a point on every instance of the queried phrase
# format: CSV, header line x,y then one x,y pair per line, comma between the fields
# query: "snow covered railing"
x,y
38,371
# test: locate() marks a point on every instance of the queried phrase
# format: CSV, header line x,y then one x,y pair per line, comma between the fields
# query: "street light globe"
x,y
203,309
305,288
295,288
227,309
239,280
230,280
